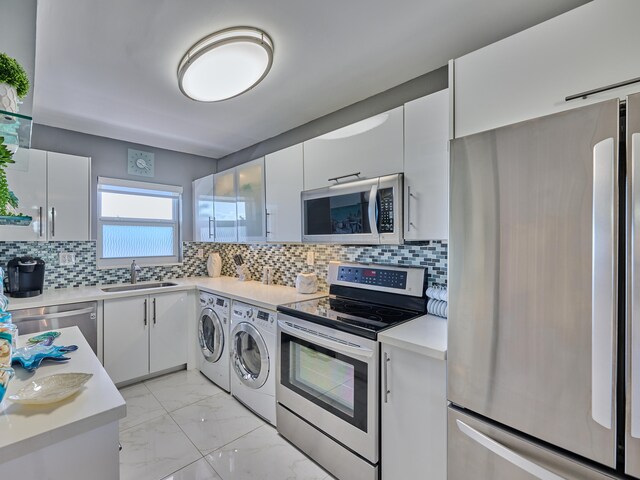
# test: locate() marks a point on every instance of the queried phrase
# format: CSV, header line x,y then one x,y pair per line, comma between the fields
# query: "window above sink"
x,y
138,220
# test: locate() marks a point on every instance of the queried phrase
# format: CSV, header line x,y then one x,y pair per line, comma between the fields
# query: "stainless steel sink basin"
x,y
138,286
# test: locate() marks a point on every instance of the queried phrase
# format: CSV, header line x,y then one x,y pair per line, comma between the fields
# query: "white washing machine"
x,y
253,359
213,338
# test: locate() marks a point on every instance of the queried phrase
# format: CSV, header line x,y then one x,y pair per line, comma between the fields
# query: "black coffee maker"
x,y
24,277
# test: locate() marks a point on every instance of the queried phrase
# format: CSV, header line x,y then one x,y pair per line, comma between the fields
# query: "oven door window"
x,y
338,215
333,381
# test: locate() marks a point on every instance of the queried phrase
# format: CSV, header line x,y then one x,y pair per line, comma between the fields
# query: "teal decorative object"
x,y
43,337
6,374
30,357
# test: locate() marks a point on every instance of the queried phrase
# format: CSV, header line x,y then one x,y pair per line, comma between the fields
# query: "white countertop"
x,y
265,296
426,335
27,428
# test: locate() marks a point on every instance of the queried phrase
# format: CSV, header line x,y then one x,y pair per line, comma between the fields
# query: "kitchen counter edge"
x,y
253,292
426,335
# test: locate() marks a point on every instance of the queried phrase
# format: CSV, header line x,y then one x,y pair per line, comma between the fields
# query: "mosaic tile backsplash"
x,y
287,261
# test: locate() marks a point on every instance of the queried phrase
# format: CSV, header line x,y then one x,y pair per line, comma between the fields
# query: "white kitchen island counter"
x,y
253,292
74,438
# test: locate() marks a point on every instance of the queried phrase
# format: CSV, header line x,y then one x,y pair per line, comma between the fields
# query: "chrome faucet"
x,y
135,271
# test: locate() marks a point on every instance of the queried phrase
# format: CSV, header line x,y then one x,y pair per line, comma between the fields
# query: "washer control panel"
x,y
258,316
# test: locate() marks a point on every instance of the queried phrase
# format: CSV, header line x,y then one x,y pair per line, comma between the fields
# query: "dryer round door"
x,y
250,355
210,335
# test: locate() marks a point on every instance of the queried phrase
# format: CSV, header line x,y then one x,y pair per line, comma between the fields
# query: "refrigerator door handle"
x,y
506,453
635,293
603,285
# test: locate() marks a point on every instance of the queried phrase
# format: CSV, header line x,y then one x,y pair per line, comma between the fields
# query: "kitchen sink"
x,y
142,286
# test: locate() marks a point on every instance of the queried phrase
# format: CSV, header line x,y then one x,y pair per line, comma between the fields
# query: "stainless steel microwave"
x,y
360,212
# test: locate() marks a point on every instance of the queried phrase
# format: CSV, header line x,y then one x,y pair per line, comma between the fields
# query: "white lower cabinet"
x,y
144,334
414,416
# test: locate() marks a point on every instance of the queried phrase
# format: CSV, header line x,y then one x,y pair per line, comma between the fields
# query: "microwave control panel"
x,y
373,276
385,219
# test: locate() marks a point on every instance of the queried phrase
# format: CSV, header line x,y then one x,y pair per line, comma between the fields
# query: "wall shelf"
x,y
16,129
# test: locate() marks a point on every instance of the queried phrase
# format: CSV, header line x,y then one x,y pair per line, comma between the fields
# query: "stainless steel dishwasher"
x,y
82,315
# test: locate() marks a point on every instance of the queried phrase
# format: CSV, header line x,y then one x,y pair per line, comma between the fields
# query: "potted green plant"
x,y
8,201
14,83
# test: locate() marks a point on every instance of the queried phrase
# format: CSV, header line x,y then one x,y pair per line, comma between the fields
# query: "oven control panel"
x,y
381,278
373,276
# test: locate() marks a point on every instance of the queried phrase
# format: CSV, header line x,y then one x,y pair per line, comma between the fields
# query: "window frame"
x,y
132,187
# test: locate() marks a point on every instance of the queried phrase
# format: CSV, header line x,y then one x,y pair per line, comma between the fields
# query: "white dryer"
x,y
213,338
253,359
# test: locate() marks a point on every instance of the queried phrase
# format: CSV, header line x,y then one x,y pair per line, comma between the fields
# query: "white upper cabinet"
x,y
426,167
54,189
203,209
284,183
27,178
68,193
529,74
225,225
372,148
251,201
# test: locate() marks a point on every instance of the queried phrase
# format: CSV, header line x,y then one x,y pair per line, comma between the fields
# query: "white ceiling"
x,y
109,67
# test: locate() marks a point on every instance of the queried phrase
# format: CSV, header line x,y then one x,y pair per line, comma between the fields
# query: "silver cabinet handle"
x,y
387,359
635,288
53,221
409,197
335,179
40,214
266,222
373,205
154,310
603,285
506,453
145,312
210,233
215,231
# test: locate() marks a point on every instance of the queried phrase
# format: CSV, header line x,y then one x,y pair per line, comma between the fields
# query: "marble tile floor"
x,y
181,426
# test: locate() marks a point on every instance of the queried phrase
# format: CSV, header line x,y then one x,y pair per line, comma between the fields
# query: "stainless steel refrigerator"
x,y
544,284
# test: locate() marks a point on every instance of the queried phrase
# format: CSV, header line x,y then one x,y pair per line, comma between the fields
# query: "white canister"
x,y
307,283
214,264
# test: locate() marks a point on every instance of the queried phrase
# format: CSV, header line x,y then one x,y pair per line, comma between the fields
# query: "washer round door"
x,y
210,335
250,355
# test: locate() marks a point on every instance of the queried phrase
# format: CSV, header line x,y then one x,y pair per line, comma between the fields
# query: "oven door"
x,y
330,379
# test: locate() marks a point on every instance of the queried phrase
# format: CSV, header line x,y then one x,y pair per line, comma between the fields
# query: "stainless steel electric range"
x,y
328,369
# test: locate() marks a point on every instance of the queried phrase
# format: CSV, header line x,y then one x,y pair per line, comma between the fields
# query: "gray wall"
x,y
19,39
418,87
109,159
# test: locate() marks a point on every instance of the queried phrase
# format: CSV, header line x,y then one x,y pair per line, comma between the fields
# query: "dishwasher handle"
x,y
50,316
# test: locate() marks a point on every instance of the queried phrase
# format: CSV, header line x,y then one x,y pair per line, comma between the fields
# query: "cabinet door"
x,y
224,207
372,147
27,178
284,182
529,74
126,338
168,335
68,194
414,416
203,209
251,207
426,167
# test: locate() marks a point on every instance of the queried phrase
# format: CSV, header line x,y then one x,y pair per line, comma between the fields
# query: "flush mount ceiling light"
x,y
225,64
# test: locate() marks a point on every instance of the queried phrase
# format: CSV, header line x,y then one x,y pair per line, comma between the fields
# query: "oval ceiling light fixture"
x,y
225,64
